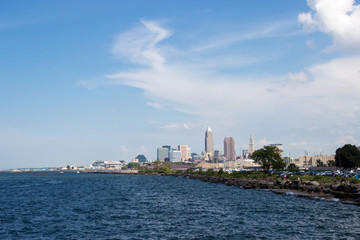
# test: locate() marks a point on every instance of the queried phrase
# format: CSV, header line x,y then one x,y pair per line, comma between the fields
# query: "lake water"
x,y
101,206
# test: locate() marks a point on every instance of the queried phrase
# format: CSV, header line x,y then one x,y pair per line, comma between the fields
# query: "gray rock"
x,y
315,183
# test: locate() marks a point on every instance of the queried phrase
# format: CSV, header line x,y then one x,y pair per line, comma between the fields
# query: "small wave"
x,y
290,193
55,182
335,199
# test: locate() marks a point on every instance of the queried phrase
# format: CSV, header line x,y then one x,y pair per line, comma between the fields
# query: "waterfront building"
x,y
184,149
98,164
114,164
209,146
107,164
175,155
163,153
251,145
229,149
141,159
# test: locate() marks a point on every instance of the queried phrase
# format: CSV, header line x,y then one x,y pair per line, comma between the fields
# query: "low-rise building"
x,y
311,161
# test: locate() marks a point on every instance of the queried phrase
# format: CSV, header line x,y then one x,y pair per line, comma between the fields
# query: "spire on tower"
x,y
251,145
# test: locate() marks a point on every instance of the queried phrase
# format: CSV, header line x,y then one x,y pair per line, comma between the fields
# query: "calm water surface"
x,y
96,206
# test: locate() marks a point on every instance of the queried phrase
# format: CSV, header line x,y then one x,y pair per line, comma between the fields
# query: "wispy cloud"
x,y
315,97
154,104
142,50
87,84
177,126
238,34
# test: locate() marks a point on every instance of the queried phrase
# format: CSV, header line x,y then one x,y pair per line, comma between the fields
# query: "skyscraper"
x,y
229,148
175,155
184,149
209,146
163,153
251,145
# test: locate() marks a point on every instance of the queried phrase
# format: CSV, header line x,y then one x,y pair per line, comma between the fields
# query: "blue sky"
x,y
108,80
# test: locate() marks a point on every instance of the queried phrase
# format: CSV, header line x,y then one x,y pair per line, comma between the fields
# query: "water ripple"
x,y
86,206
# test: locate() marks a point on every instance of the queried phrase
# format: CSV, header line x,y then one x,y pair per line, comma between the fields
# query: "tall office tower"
x,y
209,146
162,153
184,149
251,145
229,149
175,155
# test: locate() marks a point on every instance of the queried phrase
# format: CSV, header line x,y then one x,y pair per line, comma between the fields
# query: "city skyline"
x,y
83,81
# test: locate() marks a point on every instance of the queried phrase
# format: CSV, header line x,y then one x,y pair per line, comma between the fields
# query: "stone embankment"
x,y
344,192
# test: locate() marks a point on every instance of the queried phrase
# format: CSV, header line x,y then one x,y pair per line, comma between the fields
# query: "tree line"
x,y
269,157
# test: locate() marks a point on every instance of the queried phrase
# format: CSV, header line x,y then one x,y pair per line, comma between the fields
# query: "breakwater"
x,y
346,193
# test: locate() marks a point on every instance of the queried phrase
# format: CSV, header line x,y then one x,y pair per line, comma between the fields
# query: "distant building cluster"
x,y
210,158
225,158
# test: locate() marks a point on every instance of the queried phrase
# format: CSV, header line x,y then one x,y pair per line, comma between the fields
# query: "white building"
x,y
175,156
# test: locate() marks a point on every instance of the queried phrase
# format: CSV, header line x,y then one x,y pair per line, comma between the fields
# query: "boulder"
x,y
335,186
315,183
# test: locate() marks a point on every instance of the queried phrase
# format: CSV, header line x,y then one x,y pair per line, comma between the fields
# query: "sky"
x,y
91,80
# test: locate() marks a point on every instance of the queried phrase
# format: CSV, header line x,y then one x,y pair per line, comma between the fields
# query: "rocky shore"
x,y
342,192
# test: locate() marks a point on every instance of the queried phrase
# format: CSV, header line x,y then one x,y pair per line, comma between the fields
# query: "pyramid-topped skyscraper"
x,y
209,146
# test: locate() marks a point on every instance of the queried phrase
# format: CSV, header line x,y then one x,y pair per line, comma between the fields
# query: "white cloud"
x,y
262,142
177,126
311,44
302,143
231,37
123,149
186,126
348,139
87,84
300,77
339,18
154,105
319,97
143,150
142,50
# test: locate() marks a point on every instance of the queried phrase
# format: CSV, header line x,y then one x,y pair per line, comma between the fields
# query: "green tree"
x,y
293,167
331,163
164,169
269,157
319,163
133,165
347,156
